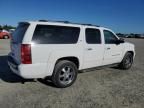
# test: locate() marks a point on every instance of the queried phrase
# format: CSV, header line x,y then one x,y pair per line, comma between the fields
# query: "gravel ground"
x,y
104,88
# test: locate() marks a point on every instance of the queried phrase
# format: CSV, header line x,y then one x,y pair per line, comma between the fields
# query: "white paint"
x,y
44,56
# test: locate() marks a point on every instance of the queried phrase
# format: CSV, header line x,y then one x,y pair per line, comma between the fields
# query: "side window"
x,y
93,36
110,38
48,34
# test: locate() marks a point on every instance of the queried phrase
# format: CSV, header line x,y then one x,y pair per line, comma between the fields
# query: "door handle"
x,y
108,48
89,49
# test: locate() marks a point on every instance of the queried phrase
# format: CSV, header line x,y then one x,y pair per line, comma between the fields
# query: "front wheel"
x,y
65,74
127,61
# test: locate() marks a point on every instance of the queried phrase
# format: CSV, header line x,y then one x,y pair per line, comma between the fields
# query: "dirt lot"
x,y
105,88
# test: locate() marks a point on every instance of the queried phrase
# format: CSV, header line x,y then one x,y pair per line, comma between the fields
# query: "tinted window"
x,y
19,33
110,38
93,36
47,34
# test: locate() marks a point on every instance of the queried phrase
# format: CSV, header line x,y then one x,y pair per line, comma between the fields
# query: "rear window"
x,y
48,34
19,33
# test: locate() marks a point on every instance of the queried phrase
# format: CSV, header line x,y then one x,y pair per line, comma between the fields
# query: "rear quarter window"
x,y
48,34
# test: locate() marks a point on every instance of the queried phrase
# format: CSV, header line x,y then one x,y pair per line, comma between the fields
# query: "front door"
x,y
112,51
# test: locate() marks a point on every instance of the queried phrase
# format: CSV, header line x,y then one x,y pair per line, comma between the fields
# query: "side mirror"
x,y
119,41
122,39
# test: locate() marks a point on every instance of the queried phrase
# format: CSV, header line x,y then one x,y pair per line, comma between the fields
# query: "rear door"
x,y
16,41
94,49
113,51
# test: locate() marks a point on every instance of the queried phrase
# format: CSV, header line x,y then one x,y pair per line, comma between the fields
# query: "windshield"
x,y
19,33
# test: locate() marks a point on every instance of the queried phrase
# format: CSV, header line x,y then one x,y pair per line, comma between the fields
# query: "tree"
x,y
8,27
1,28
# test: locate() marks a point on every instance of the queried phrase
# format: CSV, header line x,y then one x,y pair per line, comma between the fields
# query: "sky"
x,y
124,16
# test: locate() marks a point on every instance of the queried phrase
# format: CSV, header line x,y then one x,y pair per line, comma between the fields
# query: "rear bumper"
x,y
28,71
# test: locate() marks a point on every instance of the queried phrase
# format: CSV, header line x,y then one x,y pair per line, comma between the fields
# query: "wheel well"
x,y
75,60
131,52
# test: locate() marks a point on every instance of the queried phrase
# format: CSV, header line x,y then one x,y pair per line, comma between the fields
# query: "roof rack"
x,y
43,20
67,22
53,21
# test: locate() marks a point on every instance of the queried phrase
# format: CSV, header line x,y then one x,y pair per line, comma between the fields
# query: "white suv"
x,y
57,49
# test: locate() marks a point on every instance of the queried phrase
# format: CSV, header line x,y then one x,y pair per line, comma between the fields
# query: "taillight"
x,y
26,54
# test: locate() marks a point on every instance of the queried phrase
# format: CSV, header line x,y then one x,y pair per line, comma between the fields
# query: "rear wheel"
x,y
127,61
5,37
65,74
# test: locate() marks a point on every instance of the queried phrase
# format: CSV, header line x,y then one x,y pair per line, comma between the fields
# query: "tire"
x,y
65,74
127,61
5,37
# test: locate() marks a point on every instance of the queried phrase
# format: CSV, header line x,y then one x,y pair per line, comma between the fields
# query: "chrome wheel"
x,y
128,61
66,75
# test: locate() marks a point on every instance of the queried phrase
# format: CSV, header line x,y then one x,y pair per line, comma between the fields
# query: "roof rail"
x,y
91,25
53,21
43,20
67,22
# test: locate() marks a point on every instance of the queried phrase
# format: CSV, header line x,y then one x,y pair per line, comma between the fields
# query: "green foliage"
x,y
0,27
7,27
